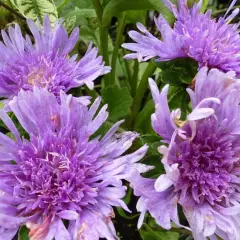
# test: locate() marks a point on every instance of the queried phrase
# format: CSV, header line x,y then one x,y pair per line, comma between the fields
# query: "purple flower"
x,y
62,172
201,159
213,43
46,62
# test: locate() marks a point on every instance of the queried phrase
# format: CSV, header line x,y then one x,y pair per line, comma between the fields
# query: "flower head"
x,y
213,43
46,62
201,160
62,172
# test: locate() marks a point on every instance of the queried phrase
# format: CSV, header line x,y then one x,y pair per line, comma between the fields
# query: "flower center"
x,y
38,77
56,175
204,162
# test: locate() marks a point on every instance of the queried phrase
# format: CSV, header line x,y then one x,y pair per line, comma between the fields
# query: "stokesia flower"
x,y
211,42
63,181
45,62
201,157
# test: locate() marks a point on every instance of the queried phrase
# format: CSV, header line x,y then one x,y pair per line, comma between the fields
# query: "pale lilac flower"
x,y
211,42
201,160
62,172
45,61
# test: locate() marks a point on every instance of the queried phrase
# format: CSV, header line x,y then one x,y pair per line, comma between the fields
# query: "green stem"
x,y
98,8
13,11
95,38
144,115
104,50
134,79
142,87
118,41
223,10
103,37
178,230
62,4
128,70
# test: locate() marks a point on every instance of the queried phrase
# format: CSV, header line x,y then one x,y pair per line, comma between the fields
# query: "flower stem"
x,y
178,230
128,70
62,4
223,10
144,115
13,11
103,37
142,87
118,41
134,78
98,8
104,50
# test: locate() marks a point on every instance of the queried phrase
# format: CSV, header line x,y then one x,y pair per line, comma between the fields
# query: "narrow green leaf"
x,y
36,9
134,16
143,120
147,233
119,101
23,233
114,7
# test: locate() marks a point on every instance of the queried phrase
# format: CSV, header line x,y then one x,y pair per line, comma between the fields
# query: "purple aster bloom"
x,y
201,160
46,62
62,172
213,43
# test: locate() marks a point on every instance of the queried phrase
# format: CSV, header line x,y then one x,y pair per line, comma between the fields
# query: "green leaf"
x,y
119,101
204,4
70,22
134,16
85,12
78,17
23,233
83,3
105,2
155,161
179,98
153,141
147,233
143,121
2,104
178,72
36,9
114,7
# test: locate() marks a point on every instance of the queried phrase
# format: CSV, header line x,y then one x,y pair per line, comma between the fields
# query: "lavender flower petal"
x,y
213,43
62,172
201,160
45,62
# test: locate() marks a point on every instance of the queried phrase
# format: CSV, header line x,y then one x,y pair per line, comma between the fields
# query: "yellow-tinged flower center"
x,y
38,77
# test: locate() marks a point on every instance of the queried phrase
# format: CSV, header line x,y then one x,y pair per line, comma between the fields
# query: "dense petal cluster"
x,y
62,172
201,159
45,62
213,43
